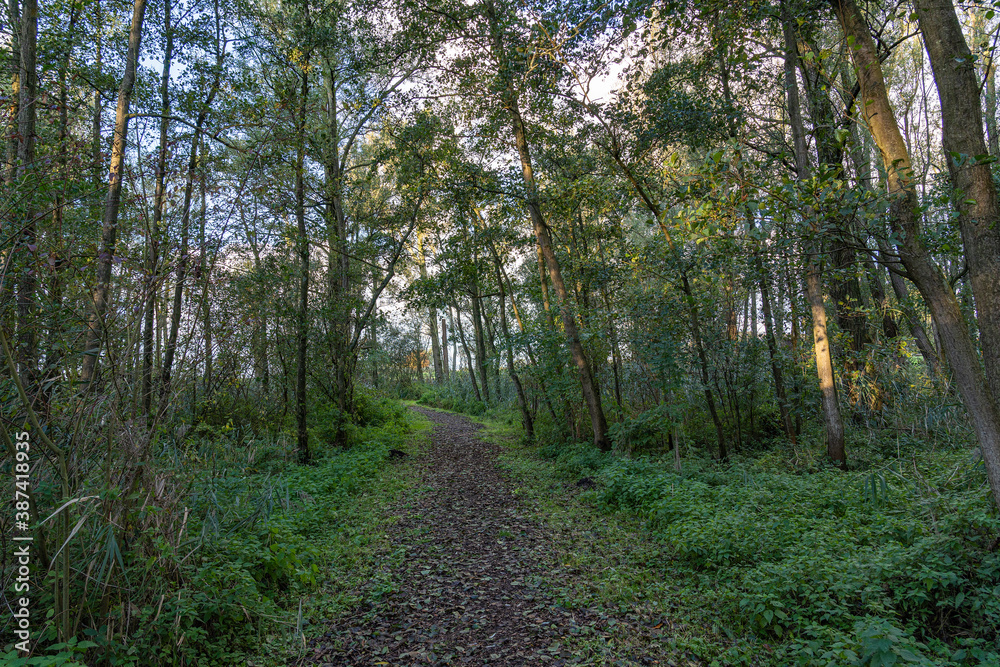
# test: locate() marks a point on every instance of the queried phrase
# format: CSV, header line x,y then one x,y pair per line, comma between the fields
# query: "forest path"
x,y
475,586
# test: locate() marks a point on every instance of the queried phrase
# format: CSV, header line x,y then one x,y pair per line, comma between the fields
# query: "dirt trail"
x,y
473,586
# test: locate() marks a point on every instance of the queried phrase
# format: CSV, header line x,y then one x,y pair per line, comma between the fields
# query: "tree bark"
x,y
924,344
205,268
182,260
109,224
444,348
338,269
913,254
97,120
432,312
10,163
302,337
591,396
468,354
27,352
156,231
824,369
845,286
971,175
522,401
477,327
833,422
772,350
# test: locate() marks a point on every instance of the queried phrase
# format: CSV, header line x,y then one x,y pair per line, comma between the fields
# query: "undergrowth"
x,y
782,556
267,546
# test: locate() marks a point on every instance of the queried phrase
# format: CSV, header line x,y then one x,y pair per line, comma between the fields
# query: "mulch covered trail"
x,y
473,588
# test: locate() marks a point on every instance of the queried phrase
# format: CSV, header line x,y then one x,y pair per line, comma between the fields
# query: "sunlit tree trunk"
x,y
814,290
109,225
591,396
913,254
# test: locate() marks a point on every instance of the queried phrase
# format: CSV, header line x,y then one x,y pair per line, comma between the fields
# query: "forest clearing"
x,y
402,332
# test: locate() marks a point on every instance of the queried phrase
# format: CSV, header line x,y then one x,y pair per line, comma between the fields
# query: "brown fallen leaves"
x,y
476,585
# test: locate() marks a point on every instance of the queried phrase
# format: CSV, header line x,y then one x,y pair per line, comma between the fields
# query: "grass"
x,y
244,553
360,557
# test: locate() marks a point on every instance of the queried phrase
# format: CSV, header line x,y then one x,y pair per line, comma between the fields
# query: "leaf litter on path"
x,y
477,583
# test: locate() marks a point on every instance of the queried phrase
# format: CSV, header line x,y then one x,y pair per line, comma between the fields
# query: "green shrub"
x,y
261,535
866,568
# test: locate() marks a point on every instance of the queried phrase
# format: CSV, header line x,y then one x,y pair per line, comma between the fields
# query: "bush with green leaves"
x,y
260,534
891,564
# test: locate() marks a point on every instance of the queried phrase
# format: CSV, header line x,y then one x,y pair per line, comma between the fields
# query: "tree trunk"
x,y
50,369
920,267
703,365
302,337
491,336
182,260
435,341
924,344
988,69
27,353
814,291
205,268
156,230
991,109
971,175
436,347
591,396
468,355
531,355
444,348
338,269
109,225
824,369
477,326
772,350
10,164
97,121
522,401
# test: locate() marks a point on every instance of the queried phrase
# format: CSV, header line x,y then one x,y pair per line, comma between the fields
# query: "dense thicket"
x,y
718,230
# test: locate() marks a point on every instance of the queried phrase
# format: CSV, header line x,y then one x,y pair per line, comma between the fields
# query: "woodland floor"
x,y
480,580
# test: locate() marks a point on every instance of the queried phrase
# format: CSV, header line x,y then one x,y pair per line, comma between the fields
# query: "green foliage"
x,y
261,534
871,568
451,397
644,432
65,654
237,403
